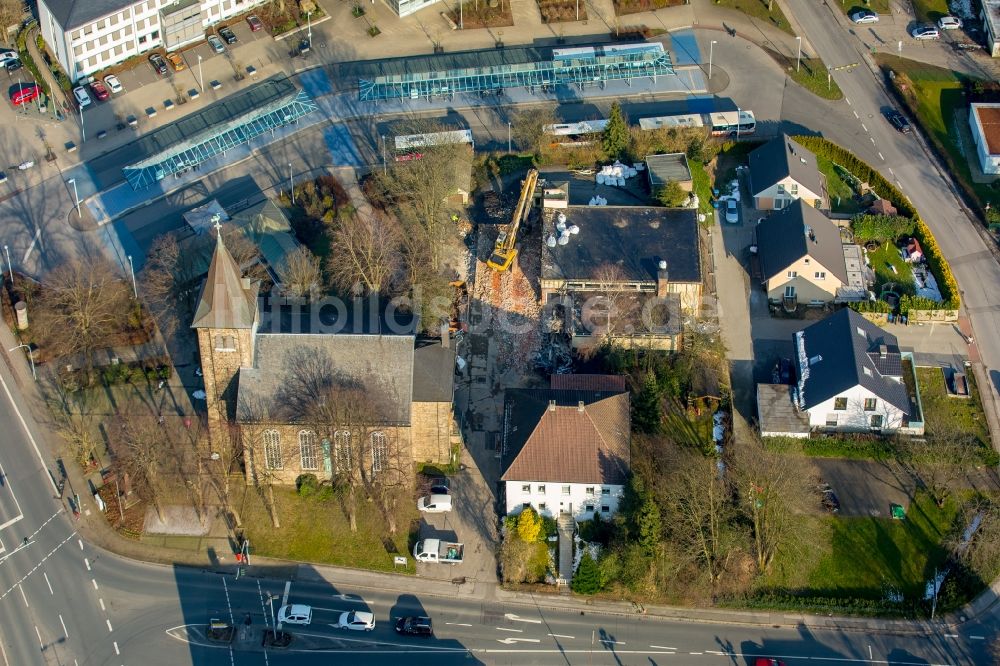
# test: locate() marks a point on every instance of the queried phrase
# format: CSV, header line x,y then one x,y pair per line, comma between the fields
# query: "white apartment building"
x,y
87,36
580,500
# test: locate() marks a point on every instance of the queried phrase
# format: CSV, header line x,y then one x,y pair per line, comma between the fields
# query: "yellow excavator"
x,y
504,251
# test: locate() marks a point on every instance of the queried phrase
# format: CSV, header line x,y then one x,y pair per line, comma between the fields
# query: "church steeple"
x,y
227,299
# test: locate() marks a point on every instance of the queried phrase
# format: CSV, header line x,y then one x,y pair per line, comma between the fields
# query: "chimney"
x,y
552,405
445,337
662,279
883,351
579,406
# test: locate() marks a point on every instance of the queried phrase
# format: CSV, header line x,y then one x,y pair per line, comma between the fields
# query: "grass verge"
x,y
811,74
315,529
930,11
877,6
963,414
760,9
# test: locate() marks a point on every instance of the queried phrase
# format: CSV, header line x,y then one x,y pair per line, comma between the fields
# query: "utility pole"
x,y
309,23
83,130
31,358
385,167
291,182
201,80
798,58
508,138
10,266
711,52
131,268
76,196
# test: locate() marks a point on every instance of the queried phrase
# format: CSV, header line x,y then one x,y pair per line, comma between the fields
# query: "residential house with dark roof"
x,y
566,450
782,171
801,256
853,377
389,393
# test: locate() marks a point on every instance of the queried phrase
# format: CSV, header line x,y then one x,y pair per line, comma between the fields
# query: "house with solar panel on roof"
x,y
850,376
322,391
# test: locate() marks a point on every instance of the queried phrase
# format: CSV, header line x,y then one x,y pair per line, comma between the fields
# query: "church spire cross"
x,y
218,224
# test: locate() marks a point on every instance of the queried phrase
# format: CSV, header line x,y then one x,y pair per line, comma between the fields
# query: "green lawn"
x,y
965,414
935,95
864,555
758,9
841,194
316,530
811,75
881,259
930,11
877,6
702,186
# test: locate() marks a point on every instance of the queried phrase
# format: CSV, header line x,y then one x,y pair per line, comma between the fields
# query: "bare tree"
x,y
82,307
73,418
300,273
255,421
365,249
771,489
941,460
699,501
136,441
528,125
610,279
170,279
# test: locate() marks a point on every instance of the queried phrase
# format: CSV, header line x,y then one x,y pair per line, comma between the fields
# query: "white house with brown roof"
x,y
984,121
565,449
782,171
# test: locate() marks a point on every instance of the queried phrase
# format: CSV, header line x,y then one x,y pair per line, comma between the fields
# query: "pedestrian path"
x,y
566,528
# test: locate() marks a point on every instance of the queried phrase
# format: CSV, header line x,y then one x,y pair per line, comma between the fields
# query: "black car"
x,y
158,63
899,121
14,65
415,626
440,485
227,35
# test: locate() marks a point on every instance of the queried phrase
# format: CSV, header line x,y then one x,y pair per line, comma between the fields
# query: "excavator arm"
x,y
504,252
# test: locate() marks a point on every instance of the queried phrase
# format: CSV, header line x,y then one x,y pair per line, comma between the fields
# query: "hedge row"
x,y
864,171
844,606
29,62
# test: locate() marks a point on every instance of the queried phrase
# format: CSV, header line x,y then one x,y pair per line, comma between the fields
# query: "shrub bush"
x,y
886,228
307,484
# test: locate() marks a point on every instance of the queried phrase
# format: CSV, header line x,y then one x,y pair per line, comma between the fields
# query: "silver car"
x,y
216,44
925,32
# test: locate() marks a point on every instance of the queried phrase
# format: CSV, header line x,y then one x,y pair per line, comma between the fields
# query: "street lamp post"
x,y
711,52
76,198
201,80
798,58
31,358
131,268
508,137
291,181
10,266
738,123
83,129
309,23
385,166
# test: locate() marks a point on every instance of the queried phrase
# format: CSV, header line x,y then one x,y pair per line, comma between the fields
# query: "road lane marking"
x,y
511,641
614,642
662,647
857,116
39,634
517,618
694,653
65,633
847,99
23,595
881,157
561,636
864,127
873,140
94,581
4,653
109,625
102,603
27,432
459,624
87,562
715,652
978,638
951,635
518,631
117,651
46,577
80,541
10,489
232,622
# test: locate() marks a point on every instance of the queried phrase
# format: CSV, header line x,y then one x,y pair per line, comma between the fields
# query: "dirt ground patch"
x,y
867,487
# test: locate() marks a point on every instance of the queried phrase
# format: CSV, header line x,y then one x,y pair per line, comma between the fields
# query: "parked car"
x,y
216,44
113,84
8,54
434,504
255,24
295,614
415,626
14,65
864,16
100,92
82,98
158,63
23,93
732,211
228,35
767,661
949,23
176,61
440,485
925,32
356,621
899,121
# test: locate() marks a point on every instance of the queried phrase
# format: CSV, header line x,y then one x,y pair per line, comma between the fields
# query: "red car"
x,y
767,661
100,92
255,23
23,93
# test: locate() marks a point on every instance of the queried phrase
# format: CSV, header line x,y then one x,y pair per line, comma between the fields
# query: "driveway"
x,y
866,487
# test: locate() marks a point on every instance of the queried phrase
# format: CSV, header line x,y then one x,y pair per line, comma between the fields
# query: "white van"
x,y
434,504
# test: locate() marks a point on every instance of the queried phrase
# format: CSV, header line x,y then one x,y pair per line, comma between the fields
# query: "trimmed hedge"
x,y
864,171
29,62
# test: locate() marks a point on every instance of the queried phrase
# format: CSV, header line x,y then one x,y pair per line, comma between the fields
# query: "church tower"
x,y
226,321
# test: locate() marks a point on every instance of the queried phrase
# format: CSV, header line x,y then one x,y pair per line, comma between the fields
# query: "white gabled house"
x,y
565,449
782,171
850,378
